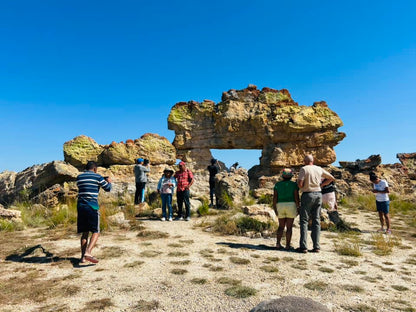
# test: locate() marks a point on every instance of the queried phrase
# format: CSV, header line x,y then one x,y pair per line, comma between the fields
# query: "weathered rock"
x,y
7,186
50,197
34,180
290,304
260,210
408,160
119,219
252,119
234,184
151,146
80,150
10,214
362,165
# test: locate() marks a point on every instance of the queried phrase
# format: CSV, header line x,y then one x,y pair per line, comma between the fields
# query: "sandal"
x,y
380,230
301,250
289,248
91,259
280,247
388,231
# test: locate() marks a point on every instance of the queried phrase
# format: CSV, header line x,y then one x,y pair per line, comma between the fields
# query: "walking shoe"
x,y
179,218
170,219
188,218
388,231
163,219
301,250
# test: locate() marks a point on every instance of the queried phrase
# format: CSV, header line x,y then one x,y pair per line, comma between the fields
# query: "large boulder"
x,y
80,150
231,188
154,147
290,304
252,119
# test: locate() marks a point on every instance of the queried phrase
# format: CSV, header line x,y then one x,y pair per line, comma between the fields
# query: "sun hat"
x,y
168,169
287,173
182,163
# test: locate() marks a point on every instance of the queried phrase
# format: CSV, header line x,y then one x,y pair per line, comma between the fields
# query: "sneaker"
x,y
188,218
170,219
163,219
179,218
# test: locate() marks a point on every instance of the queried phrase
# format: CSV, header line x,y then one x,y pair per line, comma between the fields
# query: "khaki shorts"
x,y
287,210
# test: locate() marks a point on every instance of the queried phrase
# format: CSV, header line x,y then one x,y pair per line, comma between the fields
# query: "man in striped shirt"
x,y
89,183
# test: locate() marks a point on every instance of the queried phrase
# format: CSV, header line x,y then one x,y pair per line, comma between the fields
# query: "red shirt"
x,y
183,178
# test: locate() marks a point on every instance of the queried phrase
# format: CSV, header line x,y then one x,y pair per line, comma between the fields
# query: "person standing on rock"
x,y
184,178
286,206
165,188
89,183
309,182
140,171
213,169
381,190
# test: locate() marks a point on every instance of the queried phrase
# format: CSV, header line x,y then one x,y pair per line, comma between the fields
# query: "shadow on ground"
x,y
248,246
28,256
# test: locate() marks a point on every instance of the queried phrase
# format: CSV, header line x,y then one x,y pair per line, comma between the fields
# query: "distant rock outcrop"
x,y
361,165
252,119
408,160
154,147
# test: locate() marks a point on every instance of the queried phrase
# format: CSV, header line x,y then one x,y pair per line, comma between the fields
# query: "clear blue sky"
x,y
112,70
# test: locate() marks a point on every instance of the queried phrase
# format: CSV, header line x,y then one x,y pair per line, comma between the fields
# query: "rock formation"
x,y
154,147
409,162
252,119
360,165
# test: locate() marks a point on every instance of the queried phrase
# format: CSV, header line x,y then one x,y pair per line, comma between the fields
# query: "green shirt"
x,y
285,191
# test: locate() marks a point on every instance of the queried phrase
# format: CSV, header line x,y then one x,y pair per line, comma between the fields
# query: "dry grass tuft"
x,y
326,270
178,254
316,285
149,235
150,253
383,244
133,264
269,269
238,260
181,262
178,271
399,287
175,245
145,306
186,241
228,281
98,305
359,308
240,291
199,281
353,288
109,252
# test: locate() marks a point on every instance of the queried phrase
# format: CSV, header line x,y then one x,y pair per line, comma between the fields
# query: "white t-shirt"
x,y
380,186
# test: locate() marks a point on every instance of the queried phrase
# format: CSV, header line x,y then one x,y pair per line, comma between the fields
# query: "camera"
x,y
145,162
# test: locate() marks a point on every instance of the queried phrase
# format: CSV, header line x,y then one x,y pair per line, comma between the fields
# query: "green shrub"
x,y
203,210
246,224
10,226
226,200
265,199
240,291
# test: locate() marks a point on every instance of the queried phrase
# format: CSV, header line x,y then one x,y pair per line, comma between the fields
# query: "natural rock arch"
x,y
267,119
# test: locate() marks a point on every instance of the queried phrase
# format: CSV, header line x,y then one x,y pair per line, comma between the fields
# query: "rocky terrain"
x,y
183,266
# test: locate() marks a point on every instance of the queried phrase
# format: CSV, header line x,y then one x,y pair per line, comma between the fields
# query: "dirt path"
x,y
184,270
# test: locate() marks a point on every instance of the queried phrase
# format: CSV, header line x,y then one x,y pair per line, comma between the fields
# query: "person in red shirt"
x,y
184,178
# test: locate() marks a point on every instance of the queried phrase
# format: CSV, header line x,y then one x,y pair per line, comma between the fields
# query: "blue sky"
x,y
113,70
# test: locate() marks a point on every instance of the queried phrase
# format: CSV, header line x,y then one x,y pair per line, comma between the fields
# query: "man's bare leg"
x,y
84,243
91,245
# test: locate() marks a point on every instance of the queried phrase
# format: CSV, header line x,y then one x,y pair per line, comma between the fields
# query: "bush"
x,y
247,224
203,210
265,199
226,201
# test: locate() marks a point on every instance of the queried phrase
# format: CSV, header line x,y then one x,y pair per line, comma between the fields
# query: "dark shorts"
x,y
88,219
383,206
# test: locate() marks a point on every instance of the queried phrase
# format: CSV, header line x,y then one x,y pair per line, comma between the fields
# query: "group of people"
x,y
315,183
318,188
182,180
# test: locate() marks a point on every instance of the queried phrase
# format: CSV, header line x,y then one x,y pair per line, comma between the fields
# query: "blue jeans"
x,y
310,208
166,201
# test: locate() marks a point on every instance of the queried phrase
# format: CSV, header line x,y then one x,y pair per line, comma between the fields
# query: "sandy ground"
x,y
120,283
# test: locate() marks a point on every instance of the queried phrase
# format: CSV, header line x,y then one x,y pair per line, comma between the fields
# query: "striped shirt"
x,y
89,184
